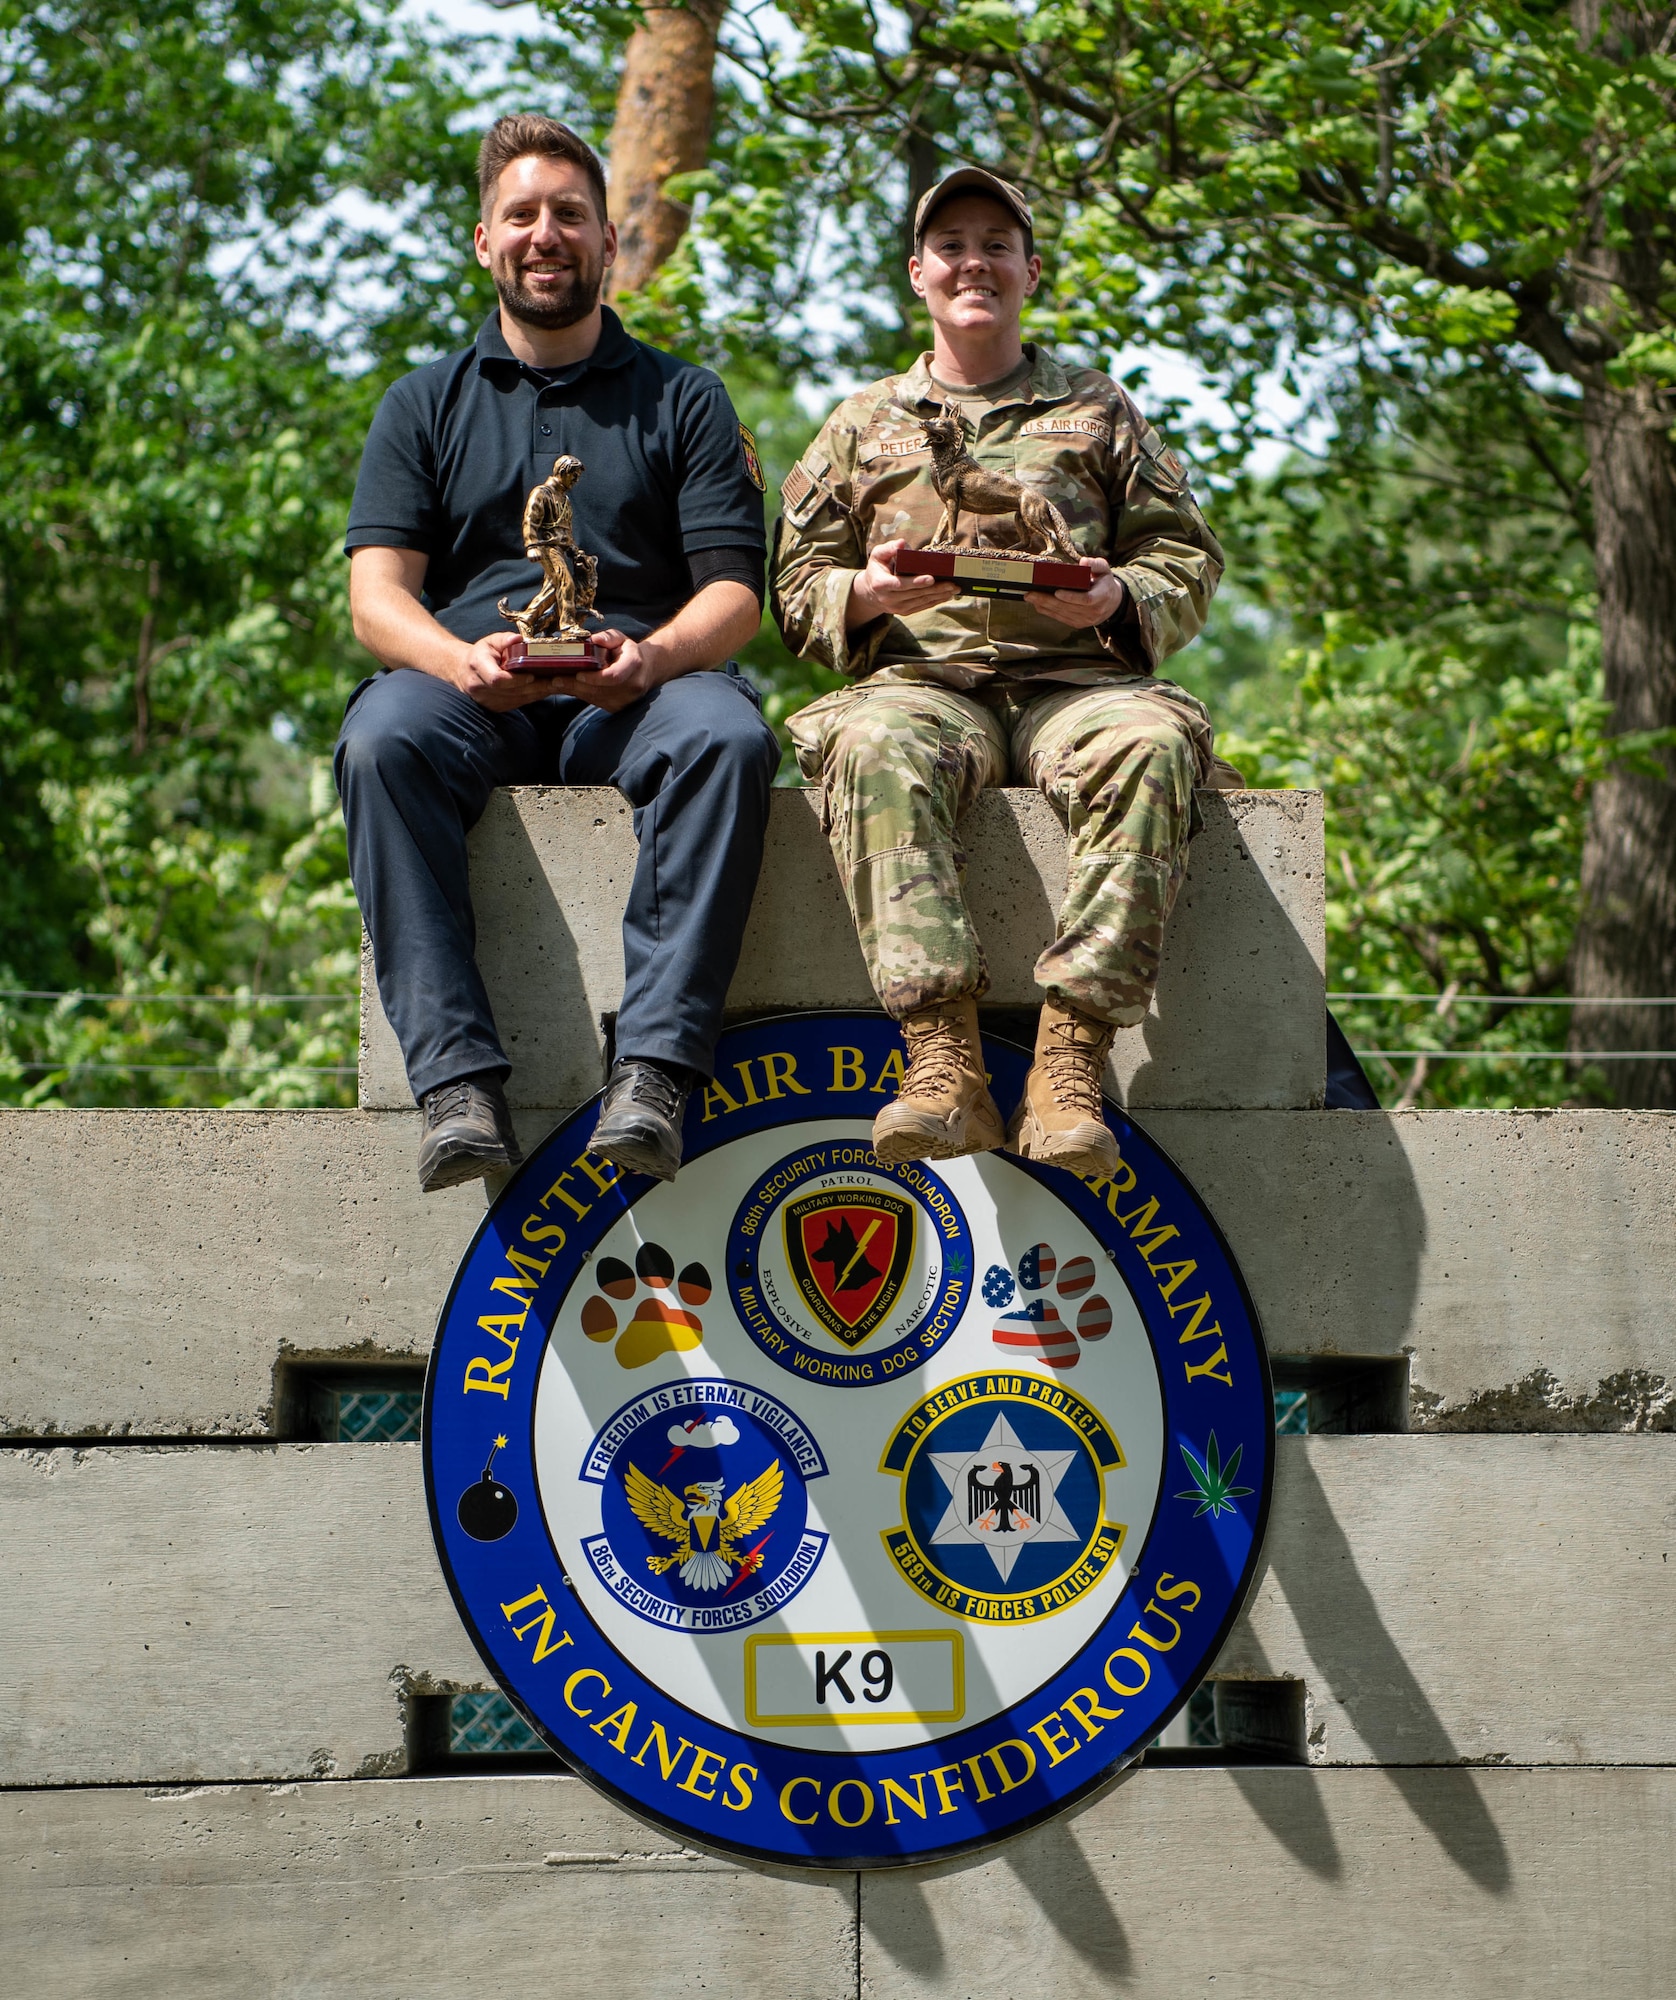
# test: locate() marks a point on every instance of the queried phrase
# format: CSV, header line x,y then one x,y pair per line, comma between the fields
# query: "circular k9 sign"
x,y
841,1513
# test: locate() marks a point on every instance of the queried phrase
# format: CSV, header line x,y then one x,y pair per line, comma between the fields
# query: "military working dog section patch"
x,y
838,1513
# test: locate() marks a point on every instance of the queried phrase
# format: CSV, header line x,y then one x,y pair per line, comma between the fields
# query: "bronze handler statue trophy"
x,y
553,638
965,486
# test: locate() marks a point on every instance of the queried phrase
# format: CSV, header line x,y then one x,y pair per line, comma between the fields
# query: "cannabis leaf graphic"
x,y
1213,1482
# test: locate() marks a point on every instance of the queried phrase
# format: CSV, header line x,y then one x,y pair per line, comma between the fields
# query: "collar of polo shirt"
x,y
616,346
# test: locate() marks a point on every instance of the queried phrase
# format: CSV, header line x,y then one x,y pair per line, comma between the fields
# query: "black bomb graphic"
x,y
487,1509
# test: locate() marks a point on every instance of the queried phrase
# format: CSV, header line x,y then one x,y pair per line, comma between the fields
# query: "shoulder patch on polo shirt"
x,y
753,464
1062,426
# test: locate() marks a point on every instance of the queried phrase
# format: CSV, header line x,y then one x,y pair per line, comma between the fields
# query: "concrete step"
x,y
211,1613
1265,1884
156,1267
1237,1021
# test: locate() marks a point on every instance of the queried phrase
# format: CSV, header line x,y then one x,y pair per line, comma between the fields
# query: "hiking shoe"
x,y
1061,1118
640,1120
944,1107
468,1133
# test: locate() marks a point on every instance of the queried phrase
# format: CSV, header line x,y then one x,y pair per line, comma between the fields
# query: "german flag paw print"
x,y
1034,1327
661,1307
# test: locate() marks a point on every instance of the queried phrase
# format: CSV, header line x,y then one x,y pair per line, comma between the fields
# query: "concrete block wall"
x,y
212,1631
1237,1020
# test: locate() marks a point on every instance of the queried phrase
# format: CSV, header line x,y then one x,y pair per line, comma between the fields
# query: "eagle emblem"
x,y
706,1530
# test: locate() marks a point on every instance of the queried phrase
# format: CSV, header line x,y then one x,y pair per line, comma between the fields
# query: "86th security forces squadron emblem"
x,y
840,1513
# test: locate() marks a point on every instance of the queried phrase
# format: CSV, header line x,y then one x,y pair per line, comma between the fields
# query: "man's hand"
x,y
1081,608
479,673
878,592
633,668
394,626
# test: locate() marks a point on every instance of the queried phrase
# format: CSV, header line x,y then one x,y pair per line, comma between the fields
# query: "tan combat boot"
x,y
1060,1119
944,1107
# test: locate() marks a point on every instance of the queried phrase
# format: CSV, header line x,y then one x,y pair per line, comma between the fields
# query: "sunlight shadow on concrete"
x,y
1358,1660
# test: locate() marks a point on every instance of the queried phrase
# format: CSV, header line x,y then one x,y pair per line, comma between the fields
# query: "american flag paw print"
x,y
1031,1307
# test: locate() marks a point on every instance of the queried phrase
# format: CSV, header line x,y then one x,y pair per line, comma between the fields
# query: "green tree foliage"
x,y
225,225
1421,224
199,306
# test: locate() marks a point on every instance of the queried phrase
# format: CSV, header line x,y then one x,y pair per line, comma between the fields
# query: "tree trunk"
x,y
1626,937
665,107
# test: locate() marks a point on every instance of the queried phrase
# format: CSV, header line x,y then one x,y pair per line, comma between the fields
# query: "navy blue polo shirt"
x,y
457,445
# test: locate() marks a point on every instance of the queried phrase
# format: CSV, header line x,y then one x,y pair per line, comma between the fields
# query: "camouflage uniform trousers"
x,y
902,761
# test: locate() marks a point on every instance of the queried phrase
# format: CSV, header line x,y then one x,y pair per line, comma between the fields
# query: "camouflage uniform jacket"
x,y
1074,436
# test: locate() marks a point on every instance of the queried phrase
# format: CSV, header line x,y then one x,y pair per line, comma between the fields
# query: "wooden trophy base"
x,y
983,573
554,656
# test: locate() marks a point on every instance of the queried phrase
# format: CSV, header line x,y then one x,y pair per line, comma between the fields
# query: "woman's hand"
x,y
878,592
1081,608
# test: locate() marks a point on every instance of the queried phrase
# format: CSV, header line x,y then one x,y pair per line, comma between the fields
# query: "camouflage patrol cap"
x,y
973,180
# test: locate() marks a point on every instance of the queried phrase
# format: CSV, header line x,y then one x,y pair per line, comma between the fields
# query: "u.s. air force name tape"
x,y
837,1513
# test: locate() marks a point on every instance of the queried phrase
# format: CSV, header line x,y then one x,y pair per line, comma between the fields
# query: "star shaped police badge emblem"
x,y
1003,1497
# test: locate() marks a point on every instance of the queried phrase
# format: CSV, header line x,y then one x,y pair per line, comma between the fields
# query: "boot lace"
x,y
654,1087
448,1102
1074,1066
936,1060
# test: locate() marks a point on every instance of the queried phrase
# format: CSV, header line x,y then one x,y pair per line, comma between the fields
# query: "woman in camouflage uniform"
x,y
955,692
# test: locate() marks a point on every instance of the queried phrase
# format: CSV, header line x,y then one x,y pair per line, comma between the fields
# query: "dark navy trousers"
x,y
416,762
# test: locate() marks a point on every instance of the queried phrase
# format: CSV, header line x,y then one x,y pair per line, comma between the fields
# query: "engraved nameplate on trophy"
x,y
983,573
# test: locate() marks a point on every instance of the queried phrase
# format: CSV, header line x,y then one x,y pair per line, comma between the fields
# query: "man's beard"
x,y
554,307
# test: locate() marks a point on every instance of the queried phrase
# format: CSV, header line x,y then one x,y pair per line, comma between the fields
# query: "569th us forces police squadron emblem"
x,y
840,1513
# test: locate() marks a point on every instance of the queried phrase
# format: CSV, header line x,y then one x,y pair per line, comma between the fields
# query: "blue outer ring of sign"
x,y
957,1263
704,1800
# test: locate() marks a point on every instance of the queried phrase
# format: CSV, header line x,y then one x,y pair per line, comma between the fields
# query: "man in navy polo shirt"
x,y
670,504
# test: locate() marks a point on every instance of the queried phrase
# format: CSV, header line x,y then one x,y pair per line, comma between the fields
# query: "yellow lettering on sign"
x,y
1198,1308
716,1098
1085,1704
1176,1590
604,1182
1197,1368
1179,1273
946,1784
584,1674
615,1727
975,1766
558,1188
1139,1631
915,1804
527,1273
1051,1733
739,1780
848,1784
786,1790
701,1772
781,1070
847,1064
1144,1218
1008,1782
666,1761
1140,1660
546,1618
482,1373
